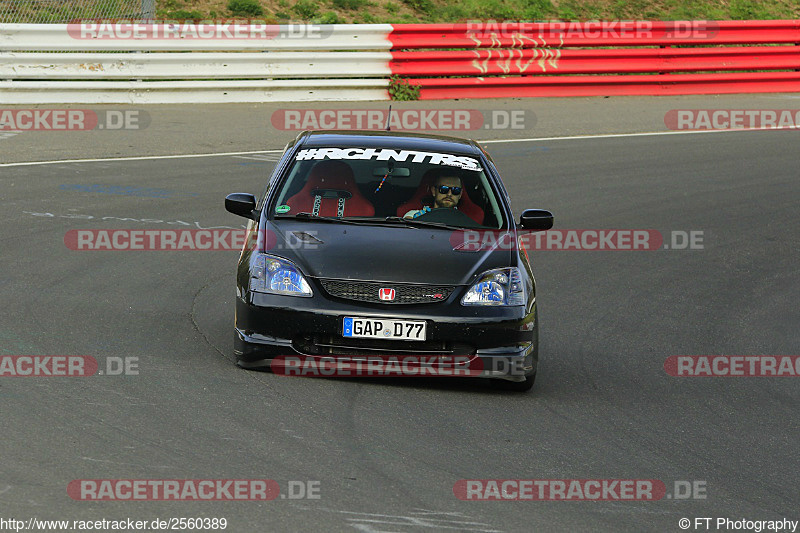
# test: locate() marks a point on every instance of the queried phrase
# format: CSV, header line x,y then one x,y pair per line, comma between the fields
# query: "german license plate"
x,y
383,328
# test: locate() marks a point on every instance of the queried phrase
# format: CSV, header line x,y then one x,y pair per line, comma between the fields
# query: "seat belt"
x,y
318,202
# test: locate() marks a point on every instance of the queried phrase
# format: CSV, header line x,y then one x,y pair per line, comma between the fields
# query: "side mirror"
x,y
536,219
242,204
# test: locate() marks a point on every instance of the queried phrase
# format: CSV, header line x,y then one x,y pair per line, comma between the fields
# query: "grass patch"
x,y
421,6
406,11
400,89
349,5
329,18
245,8
306,9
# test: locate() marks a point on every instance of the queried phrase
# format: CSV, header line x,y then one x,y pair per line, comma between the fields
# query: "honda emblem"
x,y
386,294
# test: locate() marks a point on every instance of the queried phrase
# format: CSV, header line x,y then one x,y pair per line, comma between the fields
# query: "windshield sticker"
x,y
385,154
282,209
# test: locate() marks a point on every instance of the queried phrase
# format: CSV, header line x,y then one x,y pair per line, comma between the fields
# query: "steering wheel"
x,y
450,216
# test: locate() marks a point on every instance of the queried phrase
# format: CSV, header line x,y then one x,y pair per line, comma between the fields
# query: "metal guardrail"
x,y
189,66
183,63
174,63
517,87
553,59
190,92
582,61
593,34
144,37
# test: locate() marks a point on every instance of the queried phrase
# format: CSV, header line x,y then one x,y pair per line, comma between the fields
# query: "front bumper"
x,y
501,341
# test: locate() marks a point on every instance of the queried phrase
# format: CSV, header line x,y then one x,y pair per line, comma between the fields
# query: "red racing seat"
x,y
327,187
465,205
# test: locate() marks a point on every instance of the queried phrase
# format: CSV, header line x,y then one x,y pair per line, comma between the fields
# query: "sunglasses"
x,y
444,189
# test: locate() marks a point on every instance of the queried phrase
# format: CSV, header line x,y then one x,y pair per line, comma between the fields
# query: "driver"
x,y
446,191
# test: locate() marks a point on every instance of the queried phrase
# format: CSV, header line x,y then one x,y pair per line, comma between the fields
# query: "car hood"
x,y
380,253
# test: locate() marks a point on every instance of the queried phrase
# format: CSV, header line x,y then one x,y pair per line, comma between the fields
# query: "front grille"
x,y
405,293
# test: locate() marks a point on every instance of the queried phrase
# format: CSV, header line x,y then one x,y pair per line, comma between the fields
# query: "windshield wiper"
x,y
408,222
421,223
311,216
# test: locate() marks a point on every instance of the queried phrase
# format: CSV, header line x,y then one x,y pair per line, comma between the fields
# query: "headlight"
x,y
274,275
502,286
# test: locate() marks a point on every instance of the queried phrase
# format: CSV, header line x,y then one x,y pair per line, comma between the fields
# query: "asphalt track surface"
x,y
387,452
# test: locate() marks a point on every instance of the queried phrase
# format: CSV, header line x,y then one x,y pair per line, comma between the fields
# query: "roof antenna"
x,y
389,119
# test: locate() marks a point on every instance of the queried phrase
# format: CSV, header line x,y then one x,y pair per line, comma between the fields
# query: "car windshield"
x,y
380,184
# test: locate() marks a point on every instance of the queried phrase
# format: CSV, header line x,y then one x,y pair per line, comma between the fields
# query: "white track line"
x,y
493,141
137,158
644,134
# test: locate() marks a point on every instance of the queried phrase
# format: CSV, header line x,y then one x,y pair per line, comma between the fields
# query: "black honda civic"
x,y
392,247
